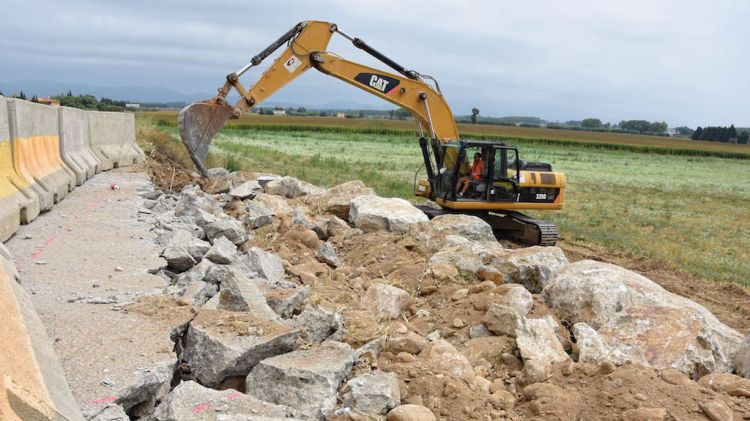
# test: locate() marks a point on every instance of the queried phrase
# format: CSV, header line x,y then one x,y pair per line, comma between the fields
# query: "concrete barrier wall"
x,y
75,145
113,138
46,151
18,202
32,382
34,131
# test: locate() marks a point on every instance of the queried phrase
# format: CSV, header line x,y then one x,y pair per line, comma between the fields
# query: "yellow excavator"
x,y
495,190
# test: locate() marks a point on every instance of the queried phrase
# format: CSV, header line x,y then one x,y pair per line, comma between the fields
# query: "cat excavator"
x,y
506,185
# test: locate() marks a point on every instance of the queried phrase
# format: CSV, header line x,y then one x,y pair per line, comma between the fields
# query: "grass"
x,y
689,212
597,140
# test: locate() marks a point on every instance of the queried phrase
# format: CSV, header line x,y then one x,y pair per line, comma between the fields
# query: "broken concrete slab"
x,y
284,301
139,399
306,380
318,323
183,251
240,293
267,265
220,345
327,254
222,252
245,190
191,401
374,393
230,228
256,215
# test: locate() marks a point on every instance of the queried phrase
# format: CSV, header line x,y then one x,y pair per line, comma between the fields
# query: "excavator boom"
x,y
508,184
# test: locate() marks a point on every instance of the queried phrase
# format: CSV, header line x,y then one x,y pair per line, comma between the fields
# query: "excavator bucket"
x,y
198,123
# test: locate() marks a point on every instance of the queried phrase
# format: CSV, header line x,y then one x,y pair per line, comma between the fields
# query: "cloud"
x,y
680,61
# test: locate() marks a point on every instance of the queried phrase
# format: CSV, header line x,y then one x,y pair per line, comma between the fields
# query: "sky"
x,y
685,62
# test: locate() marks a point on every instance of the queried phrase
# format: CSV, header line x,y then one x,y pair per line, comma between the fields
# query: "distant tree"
x,y
474,114
642,126
697,134
361,114
591,123
301,110
742,139
732,132
21,95
70,93
34,99
1,93
683,131
401,114
658,127
323,114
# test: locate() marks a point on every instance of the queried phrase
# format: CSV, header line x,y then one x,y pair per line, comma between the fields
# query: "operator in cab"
x,y
477,169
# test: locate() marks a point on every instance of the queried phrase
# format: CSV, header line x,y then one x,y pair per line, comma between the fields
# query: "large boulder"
x,y
537,340
276,204
531,266
373,213
337,200
742,358
306,380
221,345
432,234
466,255
183,251
291,187
641,320
191,401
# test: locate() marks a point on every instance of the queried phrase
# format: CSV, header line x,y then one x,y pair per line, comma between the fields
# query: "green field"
x,y
689,212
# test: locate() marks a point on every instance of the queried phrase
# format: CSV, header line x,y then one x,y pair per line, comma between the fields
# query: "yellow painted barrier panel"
x,y
18,202
32,382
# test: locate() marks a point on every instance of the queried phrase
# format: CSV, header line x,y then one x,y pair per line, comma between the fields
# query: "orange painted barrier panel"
x,y
34,130
32,382
19,203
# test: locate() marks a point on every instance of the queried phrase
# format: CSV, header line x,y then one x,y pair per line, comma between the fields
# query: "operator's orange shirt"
x,y
477,169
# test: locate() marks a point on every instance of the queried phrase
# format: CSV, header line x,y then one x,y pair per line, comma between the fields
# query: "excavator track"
x,y
509,225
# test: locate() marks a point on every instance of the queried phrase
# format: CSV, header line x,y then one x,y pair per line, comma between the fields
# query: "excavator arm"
x,y
306,48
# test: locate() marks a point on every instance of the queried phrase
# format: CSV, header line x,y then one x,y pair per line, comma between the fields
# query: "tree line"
x,y
84,102
720,134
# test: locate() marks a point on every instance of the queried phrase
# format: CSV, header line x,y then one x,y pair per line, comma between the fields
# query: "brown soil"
x,y
400,261
730,303
166,174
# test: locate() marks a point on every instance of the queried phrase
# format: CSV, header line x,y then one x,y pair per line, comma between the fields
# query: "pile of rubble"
x,y
311,303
